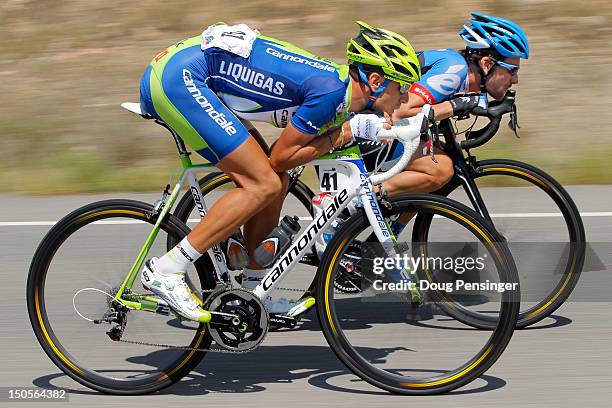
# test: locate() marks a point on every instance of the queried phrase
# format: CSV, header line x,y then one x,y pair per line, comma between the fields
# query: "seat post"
x,y
180,145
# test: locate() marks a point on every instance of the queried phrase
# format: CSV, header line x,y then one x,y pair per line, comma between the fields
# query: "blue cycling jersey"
x,y
444,73
203,93
277,84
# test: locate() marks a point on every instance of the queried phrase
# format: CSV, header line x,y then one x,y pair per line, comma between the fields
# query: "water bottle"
x,y
319,203
235,251
277,242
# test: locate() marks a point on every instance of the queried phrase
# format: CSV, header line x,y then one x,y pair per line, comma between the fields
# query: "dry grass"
x,y
67,65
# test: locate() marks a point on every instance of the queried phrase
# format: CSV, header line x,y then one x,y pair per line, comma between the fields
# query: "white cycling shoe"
x,y
173,290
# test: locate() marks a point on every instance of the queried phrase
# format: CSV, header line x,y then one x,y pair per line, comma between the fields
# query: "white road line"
x,y
51,223
195,220
544,215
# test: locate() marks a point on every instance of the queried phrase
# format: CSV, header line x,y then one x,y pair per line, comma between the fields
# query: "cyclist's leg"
x,y
258,185
259,226
194,111
256,135
422,175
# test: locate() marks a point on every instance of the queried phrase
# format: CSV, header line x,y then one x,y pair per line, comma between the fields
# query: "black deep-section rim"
x,y
576,234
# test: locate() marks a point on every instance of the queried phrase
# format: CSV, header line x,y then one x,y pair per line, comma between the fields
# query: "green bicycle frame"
x,y
188,172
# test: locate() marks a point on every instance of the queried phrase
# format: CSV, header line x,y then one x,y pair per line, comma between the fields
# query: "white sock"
x,y
178,258
252,277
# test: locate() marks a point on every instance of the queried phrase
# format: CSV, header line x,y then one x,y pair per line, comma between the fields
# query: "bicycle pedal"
x,y
115,333
403,248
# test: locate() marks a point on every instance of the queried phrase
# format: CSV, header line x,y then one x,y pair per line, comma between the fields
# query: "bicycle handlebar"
x,y
408,132
494,112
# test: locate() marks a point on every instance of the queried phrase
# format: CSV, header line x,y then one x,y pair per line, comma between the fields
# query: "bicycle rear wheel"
x,y
548,241
80,262
376,334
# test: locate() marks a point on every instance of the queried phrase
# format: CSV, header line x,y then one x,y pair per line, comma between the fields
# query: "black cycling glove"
x,y
462,105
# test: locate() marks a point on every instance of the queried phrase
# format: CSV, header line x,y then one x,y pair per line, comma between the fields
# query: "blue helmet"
x,y
504,36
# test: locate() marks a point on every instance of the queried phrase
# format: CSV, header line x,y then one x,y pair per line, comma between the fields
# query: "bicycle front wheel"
x,y
77,268
378,332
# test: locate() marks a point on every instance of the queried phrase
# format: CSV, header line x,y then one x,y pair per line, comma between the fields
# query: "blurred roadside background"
x,y
68,64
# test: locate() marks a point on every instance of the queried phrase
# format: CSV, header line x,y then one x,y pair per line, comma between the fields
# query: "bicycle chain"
x,y
176,347
212,350
171,346
292,290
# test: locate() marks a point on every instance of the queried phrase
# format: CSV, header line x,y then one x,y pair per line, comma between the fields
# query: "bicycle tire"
x,y
35,295
467,372
576,233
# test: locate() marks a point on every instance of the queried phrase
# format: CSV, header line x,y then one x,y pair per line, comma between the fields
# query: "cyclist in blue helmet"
x,y
489,64
452,82
494,47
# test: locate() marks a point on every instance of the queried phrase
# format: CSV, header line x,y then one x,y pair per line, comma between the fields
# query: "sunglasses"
x,y
513,69
404,88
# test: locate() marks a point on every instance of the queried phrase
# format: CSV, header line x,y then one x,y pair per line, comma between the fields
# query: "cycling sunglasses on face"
x,y
404,88
513,69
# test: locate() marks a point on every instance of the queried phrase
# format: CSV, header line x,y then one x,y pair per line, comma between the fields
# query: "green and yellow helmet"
x,y
385,49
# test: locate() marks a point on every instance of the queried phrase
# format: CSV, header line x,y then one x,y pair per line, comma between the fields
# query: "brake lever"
x,y
513,123
429,122
431,150
428,149
429,145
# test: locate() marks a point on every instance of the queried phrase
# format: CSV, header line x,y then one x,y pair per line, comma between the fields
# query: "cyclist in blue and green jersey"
x,y
208,88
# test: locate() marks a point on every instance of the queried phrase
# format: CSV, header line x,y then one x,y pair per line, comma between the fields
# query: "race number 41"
x,y
331,178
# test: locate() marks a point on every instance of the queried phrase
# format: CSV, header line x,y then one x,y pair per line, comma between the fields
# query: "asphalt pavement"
x,y
564,361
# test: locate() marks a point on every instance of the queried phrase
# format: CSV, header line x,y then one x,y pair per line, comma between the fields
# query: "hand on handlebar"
x,y
368,125
463,105
422,127
495,111
409,133
386,126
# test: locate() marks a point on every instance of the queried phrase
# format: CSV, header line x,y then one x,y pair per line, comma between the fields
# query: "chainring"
x,y
240,320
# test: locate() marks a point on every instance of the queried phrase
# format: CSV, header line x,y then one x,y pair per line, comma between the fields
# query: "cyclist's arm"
x,y
295,148
299,143
414,104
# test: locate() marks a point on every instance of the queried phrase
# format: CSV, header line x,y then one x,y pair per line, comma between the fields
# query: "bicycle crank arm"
x,y
224,319
283,321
